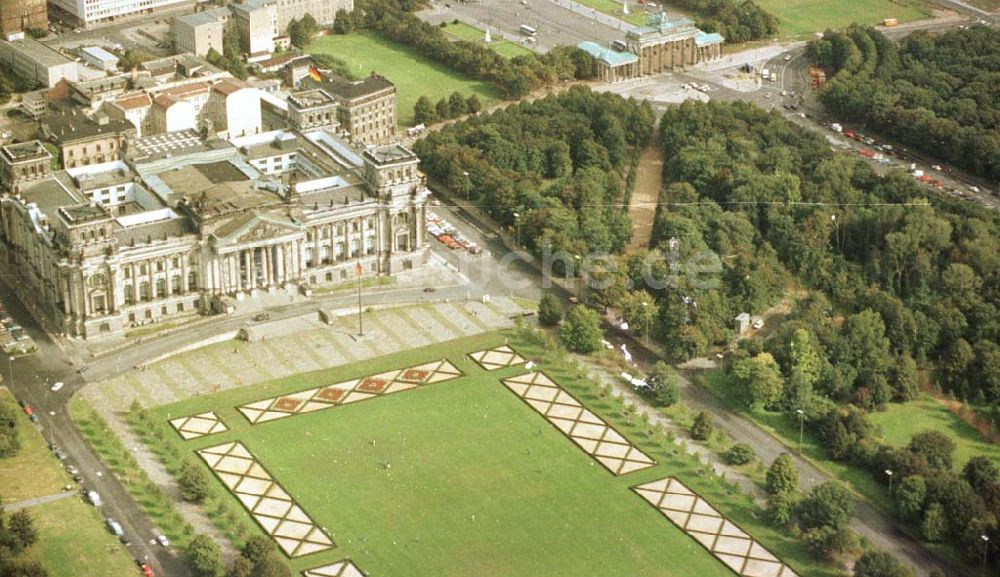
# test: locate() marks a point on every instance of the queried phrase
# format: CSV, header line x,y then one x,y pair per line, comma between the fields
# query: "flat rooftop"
x,y
390,154
24,151
38,52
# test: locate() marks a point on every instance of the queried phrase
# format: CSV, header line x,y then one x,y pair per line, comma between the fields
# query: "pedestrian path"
x,y
11,507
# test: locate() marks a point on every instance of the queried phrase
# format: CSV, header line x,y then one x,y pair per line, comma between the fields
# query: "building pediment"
x,y
255,228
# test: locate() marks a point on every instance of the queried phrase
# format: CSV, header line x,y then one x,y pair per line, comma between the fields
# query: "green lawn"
x,y
73,541
801,18
464,31
33,472
463,478
72,538
901,421
413,75
636,14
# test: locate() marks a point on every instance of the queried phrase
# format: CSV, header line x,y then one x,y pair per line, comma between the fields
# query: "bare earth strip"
x,y
648,181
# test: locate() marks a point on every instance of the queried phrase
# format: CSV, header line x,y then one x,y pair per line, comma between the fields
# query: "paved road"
x,y
32,377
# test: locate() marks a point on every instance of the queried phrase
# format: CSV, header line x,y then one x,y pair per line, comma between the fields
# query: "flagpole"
x,y
361,326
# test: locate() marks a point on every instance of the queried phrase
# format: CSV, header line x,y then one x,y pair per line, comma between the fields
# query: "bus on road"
x,y
528,30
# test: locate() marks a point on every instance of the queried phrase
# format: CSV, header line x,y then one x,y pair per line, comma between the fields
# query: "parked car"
x,y
160,538
94,498
115,527
262,317
57,386
147,571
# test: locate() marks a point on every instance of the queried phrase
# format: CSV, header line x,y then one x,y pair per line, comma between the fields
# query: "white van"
x,y
94,498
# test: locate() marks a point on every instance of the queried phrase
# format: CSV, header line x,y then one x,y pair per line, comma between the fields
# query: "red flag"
x,y
314,74
357,269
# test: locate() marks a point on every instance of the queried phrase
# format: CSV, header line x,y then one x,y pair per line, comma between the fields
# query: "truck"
x,y
890,22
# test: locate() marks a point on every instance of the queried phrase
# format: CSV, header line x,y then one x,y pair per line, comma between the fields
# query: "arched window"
x,y
96,280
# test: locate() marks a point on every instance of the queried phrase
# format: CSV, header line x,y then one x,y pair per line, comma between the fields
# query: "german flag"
x,y
314,74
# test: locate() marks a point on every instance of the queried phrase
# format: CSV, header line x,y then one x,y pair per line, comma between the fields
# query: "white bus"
x,y
528,30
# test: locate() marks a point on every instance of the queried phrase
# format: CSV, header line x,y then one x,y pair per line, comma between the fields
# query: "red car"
x,y
28,410
147,571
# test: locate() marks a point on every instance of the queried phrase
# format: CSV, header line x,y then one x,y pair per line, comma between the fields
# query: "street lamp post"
x,y
802,420
888,473
579,278
986,548
517,223
468,186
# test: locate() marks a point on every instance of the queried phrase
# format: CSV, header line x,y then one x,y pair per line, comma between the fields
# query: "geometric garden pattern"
x,y
198,425
730,544
497,358
269,504
584,428
339,569
349,391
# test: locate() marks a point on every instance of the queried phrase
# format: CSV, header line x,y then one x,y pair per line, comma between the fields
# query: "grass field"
x,y
74,541
801,18
900,422
33,472
462,478
614,8
506,48
413,75
72,538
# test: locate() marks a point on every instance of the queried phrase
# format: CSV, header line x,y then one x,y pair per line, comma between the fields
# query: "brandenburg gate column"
x,y
281,273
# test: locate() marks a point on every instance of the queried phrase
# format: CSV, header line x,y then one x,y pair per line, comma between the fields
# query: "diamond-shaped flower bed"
x,y
733,546
587,430
342,568
268,503
497,358
197,426
349,391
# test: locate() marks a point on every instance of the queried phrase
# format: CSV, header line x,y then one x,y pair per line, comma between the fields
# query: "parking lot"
x,y
556,25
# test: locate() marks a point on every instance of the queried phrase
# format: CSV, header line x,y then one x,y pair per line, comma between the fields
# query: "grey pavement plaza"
x,y
298,345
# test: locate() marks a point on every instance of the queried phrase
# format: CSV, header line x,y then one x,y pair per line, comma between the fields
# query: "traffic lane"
x,y
33,376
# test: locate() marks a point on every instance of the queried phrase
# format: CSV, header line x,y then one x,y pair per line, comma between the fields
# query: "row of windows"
x,y
159,264
145,293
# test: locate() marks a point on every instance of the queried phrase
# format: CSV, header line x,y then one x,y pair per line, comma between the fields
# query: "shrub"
x,y
738,454
702,427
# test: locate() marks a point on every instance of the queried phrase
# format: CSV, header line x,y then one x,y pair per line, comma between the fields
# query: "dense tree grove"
x,y
736,21
516,77
897,277
559,163
937,93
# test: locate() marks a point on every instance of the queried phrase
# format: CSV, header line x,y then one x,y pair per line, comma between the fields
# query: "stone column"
x,y
112,290
168,274
282,272
184,273
150,272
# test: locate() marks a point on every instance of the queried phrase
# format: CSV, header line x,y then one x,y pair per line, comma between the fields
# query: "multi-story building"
x,y
324,11
82,140
36,62
23,164
312,108
21,15
257,21
366,109
183,224
234,109
90,12
200,32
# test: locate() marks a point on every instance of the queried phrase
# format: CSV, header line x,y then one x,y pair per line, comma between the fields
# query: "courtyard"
x,y
439,461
